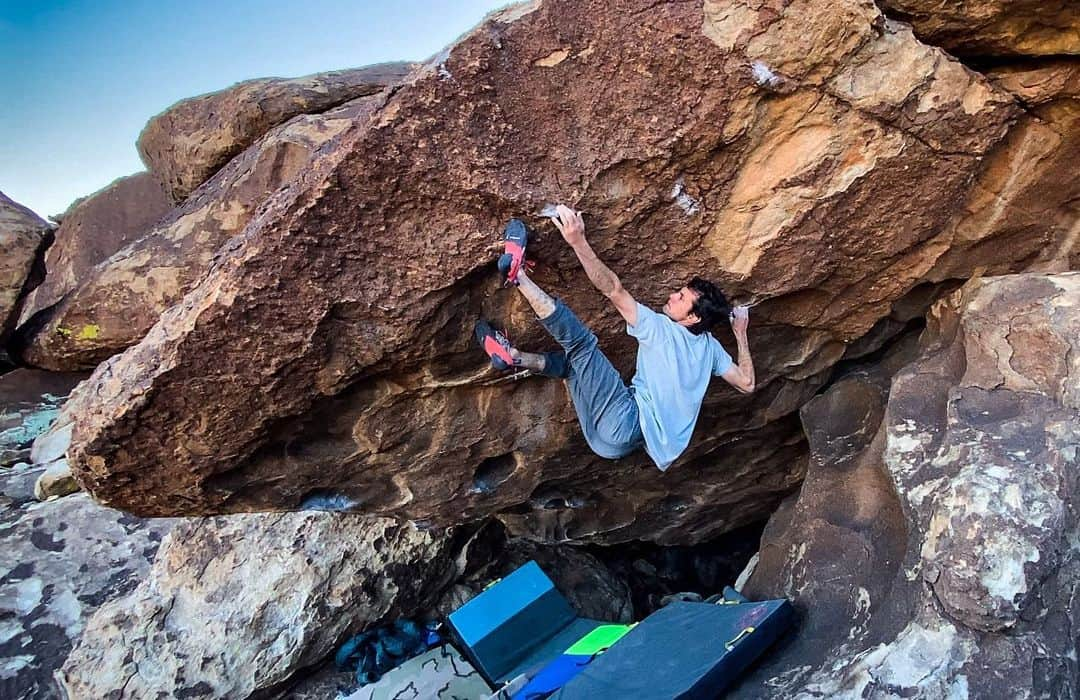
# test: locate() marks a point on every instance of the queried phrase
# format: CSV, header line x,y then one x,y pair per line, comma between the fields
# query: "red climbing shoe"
x,y
510,262
495,345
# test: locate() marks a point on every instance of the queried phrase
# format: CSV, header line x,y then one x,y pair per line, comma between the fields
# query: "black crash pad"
x,y
685,651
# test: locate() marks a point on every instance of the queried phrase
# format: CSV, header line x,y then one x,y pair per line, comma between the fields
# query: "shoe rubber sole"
x,y
488,338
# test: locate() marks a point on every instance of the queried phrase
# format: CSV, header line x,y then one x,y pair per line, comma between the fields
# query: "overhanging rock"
x,y
328,351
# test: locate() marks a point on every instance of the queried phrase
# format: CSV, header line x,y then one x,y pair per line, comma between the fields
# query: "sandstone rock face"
x,y
835,547
93,230
971,590
807,159
115,303
186,144
22,234
60,561
994,27
30,400
1020,206
235,606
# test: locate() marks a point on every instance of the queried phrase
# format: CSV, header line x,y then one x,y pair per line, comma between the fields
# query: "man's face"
x,y
680,304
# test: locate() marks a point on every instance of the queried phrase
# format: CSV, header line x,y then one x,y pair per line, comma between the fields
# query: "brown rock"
x,y
268,594
1022,212
994,27
972,479
115,303
93,230
328,350
22,235
186,144
1048,81
833,549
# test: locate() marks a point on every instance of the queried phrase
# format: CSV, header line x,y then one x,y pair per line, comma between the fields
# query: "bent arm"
x,y
606,281
741,374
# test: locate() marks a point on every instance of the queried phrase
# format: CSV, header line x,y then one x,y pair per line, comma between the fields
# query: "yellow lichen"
x,y
90,331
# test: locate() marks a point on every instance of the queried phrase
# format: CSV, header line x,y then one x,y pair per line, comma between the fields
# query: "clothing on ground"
x,y
674,367
374,652
604,404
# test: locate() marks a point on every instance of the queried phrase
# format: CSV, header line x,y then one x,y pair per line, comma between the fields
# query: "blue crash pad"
x,y
518,624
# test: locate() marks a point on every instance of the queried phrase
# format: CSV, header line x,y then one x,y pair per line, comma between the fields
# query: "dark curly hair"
x,y
711,306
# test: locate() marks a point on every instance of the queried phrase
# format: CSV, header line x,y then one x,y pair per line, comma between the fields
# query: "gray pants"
x,y
605,406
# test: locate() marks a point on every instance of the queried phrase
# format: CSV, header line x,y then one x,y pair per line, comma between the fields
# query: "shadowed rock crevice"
x,y
494,471
993,27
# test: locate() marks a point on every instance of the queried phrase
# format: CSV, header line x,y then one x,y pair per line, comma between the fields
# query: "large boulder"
x,y
92,230
235,606
60,561
22,235
938,557
114,304
833,548
994,27
808,160
187,143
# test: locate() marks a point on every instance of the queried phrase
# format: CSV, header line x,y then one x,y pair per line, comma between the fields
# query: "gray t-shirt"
x,y
674,367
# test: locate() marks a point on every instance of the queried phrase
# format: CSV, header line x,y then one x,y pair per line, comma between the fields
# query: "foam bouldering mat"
x,y
685,651
517,625
571,662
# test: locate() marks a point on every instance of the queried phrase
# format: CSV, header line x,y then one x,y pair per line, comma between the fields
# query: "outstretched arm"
x,y
741,374
572,228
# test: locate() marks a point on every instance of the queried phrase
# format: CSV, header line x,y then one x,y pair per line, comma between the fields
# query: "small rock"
x,y
10,457
55,481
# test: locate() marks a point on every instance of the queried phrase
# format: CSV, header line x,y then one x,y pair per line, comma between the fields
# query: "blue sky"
x,y
80,79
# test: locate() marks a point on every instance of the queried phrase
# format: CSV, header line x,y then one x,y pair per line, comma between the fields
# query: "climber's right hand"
x,y
570,225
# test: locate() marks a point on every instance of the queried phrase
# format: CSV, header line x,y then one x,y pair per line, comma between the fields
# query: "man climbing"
x,y
676,353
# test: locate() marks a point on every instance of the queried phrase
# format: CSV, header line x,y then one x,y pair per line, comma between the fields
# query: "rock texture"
x,y
235,606
1020,208
590,586
22,235
114,304
807,159
994,27
835,547
56,481
30,400
186,144
92,230
948,540
60,561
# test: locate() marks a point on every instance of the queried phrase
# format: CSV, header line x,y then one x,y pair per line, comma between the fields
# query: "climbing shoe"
x,y
495,345
515,237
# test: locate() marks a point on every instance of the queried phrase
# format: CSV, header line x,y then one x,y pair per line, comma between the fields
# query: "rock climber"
x,y
676,353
